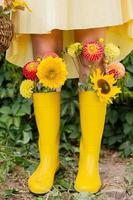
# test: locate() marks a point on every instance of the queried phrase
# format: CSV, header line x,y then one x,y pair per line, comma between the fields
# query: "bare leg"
x,y
47,42
82,36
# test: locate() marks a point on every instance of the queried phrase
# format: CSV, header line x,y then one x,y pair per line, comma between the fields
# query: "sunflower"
x,y
93,51
26,88
104,86
52,72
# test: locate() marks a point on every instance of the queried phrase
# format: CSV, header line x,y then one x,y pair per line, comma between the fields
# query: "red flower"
x,y
30,69
93,51
50,53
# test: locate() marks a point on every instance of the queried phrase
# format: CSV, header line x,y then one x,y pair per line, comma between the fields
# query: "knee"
x,y
89,34
46,42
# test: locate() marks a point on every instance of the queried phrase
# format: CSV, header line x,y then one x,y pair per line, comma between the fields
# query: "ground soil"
x,y
116,173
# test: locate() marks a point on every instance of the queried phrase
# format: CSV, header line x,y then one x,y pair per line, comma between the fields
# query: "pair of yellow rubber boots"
x,y
47,113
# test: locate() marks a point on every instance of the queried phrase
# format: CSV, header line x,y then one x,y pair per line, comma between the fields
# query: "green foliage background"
x,y
17,123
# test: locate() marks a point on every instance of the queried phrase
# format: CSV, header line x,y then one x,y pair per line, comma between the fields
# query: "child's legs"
x,y
85,35
47,42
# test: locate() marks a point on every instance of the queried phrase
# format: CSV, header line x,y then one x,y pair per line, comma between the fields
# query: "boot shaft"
x,y
92,119
47,114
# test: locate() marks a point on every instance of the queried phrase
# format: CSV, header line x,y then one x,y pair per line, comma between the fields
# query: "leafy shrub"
x,y
15,112
119,121
17,123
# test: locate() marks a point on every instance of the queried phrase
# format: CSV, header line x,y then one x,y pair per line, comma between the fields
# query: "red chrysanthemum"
x,y
30,69
93,51
50,53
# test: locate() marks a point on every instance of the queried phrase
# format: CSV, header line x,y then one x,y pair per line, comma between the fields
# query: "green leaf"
x,y
129,118
15,108
65,94
20,113
5,110
2,125
10,92
129,82
64,109
2,93
108,131
126,60
130,68
64,183
113,117
127,151
112,140
27,127
13,136
72,109
127,129
17,121
131,58
8,120
10,192
26,137
26,108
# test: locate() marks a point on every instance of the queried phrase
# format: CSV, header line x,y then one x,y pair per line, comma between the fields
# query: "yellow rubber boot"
x,y
92,118
47,114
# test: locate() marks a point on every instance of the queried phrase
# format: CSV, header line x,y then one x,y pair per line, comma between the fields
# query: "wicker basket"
x,y
6,33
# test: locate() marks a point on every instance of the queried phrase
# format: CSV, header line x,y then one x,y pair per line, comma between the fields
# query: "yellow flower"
x,y
111,52
26,88
101,40
75,49
104,86
52,72
20,4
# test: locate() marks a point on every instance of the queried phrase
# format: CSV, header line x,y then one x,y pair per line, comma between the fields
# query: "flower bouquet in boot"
x,y
99,89
43,78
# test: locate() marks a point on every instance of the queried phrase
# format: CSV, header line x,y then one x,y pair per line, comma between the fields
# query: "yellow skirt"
x,y
68,15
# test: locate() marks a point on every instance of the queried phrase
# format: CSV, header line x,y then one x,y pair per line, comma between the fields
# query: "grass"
x,y
16,164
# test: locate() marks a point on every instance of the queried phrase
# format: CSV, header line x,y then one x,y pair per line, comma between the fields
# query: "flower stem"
x,y
75,65
79,60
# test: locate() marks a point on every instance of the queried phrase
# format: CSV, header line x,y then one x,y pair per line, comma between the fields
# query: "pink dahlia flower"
x,y
117,69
